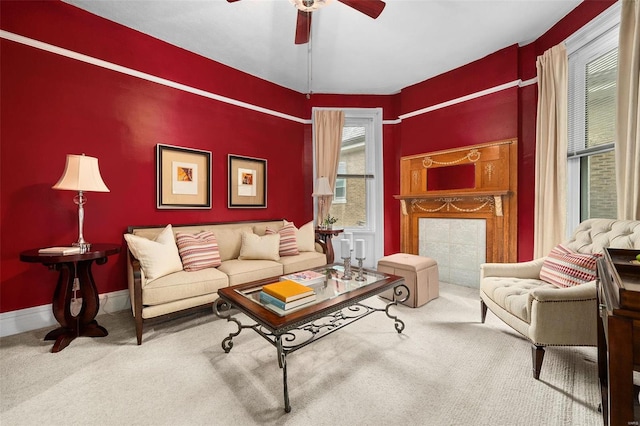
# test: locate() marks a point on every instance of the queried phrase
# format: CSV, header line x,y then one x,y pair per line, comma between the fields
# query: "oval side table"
x,y
72,266
325,235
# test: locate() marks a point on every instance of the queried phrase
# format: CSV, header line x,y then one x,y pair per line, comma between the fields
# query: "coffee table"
x,y
338,304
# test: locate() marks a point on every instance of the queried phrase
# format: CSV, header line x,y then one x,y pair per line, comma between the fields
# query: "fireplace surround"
x,y
471,182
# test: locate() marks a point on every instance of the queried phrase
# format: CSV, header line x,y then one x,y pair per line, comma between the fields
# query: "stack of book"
x,y
59,250
305,277
287,294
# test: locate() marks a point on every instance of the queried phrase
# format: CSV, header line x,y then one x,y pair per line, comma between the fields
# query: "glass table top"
x,y
332,286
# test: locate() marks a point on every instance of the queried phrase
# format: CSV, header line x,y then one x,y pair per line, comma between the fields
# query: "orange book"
x,y
288,290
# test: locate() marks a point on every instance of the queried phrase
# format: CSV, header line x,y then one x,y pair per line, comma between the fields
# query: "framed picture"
x,y
183,178
247,182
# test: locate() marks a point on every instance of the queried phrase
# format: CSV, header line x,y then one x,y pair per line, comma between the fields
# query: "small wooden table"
x,y
325,235
72,267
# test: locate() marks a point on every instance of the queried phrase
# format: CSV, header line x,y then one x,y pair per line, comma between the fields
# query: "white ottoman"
x,y
420,275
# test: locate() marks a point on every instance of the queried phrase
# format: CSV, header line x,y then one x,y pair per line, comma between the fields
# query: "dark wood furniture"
x,y
325,236
338,304
72,267
618,334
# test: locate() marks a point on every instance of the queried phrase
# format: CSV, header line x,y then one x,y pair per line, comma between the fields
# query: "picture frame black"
x,y
183,178
247,182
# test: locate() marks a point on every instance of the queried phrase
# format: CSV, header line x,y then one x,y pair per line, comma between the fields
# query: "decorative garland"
x,y
473,156
448,202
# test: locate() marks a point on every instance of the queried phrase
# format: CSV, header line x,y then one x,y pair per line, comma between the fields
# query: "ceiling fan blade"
x,y
231,1
372,8
303,27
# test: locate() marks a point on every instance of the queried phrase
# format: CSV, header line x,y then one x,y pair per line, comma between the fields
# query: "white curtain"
x,y
627,150
328,134
551,150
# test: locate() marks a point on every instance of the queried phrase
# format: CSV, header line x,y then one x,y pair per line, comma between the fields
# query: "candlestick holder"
x,y
360,276
347,268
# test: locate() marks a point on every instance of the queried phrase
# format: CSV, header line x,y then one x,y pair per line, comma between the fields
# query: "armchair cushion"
x,y
565,268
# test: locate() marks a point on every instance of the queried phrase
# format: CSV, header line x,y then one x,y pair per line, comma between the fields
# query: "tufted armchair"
x,y
544,313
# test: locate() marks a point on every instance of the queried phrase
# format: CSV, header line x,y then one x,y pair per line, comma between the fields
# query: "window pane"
x,y
351,208
598,186
601,99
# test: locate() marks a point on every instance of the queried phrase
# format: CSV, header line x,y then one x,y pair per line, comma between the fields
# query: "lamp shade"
x,y
322,187
81,173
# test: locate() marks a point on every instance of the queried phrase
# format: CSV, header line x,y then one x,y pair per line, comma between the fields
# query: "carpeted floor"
x,y
446,368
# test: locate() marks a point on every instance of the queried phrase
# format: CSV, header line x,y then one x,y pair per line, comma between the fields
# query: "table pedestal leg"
x,y
84,324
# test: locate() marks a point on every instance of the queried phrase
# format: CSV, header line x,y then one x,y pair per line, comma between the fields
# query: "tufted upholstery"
x,y
541,312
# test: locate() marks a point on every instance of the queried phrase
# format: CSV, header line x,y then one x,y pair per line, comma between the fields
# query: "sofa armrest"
x,y
321,246
586,291
530,269
564,316
136,279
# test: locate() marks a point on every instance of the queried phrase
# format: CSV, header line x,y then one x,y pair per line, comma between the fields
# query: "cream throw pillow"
x,y
306,237
157,257
255,247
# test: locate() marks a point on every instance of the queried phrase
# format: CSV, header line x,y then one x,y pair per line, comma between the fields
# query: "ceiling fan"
x,y
372,8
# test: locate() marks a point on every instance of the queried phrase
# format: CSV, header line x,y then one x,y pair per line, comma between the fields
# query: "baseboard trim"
x,y
28,319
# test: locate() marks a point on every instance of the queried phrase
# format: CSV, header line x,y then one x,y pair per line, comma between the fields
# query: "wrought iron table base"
x,y
291,339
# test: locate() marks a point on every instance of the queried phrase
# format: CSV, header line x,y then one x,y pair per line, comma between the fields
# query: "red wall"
x,y
52,106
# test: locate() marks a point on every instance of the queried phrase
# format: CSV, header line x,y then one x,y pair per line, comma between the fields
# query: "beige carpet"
x,y
445,369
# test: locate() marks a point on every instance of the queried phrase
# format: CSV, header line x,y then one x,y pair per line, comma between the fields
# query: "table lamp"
x,y
81,173
323,189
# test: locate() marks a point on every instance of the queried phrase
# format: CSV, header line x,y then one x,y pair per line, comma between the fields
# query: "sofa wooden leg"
x,y
537,355
483,311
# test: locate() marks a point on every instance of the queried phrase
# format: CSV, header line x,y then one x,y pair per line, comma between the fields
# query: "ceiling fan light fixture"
x,y
310,5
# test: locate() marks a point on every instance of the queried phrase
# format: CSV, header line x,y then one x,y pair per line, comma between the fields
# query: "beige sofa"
x,y
160,287
546,314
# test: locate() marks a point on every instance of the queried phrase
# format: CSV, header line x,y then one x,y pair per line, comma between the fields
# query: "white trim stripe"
x,y
462,99
529,82
169,83
142,75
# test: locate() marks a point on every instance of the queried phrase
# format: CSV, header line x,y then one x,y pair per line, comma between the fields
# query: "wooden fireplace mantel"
x,y
480,183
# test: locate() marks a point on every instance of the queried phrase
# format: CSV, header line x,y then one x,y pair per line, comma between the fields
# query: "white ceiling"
x,y
350,53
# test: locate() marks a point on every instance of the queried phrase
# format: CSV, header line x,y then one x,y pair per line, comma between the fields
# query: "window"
x,y
352,176
358,191
340,193
593,63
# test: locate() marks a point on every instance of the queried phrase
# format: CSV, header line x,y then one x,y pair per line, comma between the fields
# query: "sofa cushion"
x,y
303,261
198,251
565,268
157,257
255,247
288,241
244,271
229,241
183,285
306,237
261,227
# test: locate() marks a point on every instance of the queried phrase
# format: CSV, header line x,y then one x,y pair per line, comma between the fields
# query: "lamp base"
x,y
84,247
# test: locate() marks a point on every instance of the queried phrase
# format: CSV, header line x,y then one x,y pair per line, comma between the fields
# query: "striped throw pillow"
x,y
198,251
288,240
565,268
